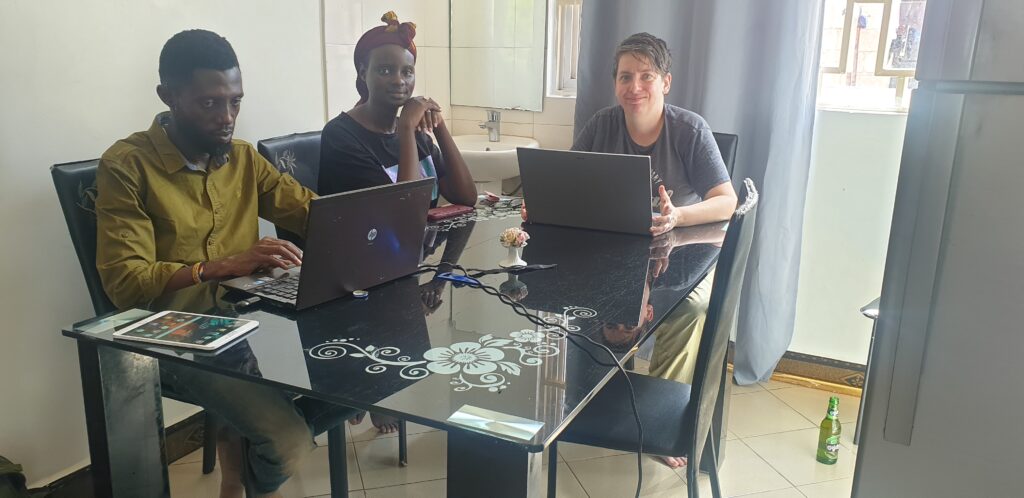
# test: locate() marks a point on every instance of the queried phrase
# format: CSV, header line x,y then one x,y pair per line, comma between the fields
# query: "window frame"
x,y
563,47
903,76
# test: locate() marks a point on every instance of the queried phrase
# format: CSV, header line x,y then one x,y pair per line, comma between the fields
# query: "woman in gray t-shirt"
x,y
688,176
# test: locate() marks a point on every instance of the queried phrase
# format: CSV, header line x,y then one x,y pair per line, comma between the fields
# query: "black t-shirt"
x,y
352,157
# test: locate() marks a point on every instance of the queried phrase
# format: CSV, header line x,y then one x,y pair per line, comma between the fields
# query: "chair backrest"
x,y
709,371
727,146
298,155
76,190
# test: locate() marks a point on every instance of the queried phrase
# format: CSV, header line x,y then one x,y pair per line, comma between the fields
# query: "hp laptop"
x,y
609,192
354,240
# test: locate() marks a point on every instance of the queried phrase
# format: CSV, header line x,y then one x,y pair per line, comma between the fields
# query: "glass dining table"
x,y
424,349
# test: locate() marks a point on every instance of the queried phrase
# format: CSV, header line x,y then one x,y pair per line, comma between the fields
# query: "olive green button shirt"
x,y
156,216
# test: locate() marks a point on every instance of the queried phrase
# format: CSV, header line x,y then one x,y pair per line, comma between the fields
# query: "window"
x,y
869,54
564,44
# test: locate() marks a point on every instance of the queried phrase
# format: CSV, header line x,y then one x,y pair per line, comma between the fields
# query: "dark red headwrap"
x,y
393,33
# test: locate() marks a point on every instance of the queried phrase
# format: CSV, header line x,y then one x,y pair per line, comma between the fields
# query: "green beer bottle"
x,y
828,436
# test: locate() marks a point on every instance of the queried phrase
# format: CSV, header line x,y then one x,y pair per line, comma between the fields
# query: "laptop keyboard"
x,y
285,288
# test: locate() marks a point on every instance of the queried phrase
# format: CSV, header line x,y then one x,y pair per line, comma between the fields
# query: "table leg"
x,y
481,465
124,418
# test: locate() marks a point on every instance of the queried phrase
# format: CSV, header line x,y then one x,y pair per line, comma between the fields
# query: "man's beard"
x,y
203,142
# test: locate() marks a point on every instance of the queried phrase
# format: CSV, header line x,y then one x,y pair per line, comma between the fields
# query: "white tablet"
x,y
187,330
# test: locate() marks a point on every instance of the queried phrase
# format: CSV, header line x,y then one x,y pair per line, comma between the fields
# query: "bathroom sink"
x,y
490,162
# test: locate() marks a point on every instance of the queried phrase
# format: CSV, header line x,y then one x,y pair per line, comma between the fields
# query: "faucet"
x,y
493,125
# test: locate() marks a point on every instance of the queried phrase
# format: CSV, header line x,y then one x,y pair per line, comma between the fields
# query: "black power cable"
x,y
519,309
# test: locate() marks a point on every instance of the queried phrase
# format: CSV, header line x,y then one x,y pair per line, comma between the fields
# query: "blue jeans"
x,y
279,430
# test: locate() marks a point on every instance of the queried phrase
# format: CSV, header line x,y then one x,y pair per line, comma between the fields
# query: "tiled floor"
x,y
770,454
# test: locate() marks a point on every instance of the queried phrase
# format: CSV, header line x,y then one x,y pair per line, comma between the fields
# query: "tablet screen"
x,y
184,328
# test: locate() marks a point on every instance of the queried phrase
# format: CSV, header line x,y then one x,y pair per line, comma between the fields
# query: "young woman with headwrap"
x,y
373,144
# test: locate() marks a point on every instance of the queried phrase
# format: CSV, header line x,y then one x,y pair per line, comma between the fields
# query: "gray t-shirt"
x,y
685,157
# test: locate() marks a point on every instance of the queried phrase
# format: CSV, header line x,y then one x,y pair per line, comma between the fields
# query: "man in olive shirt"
x,y
179,204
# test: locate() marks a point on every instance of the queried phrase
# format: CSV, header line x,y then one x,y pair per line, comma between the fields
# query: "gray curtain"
x,y
750,68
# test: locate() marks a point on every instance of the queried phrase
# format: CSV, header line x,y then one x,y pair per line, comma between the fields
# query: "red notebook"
x,y
449,211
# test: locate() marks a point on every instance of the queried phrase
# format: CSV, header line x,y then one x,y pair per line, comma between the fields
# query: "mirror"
x,y
497,53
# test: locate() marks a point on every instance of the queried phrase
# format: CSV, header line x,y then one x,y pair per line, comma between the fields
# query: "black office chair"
x,y
676,417
76,189
727,146
298,155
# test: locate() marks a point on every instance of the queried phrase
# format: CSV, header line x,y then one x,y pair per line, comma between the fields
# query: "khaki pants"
x,y
677,339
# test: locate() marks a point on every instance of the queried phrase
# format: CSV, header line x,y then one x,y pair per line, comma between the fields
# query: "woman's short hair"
x,y
646,46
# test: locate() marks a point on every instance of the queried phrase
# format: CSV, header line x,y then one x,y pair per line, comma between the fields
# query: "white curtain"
x,y
750,68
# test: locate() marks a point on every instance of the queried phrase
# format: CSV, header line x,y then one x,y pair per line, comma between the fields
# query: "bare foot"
x,y
386,424
358,419
674,462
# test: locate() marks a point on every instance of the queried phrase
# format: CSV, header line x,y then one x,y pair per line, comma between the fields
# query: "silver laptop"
x,y
592,190
354,241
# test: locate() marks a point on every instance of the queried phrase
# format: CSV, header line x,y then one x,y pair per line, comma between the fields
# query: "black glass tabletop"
x,y
424,348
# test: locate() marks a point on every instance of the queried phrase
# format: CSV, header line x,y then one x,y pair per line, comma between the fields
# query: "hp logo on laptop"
x,y
372,234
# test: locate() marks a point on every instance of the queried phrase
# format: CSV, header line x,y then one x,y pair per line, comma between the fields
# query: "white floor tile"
x,y
772,385
568,486
571,452
729,436
314,476
752,388
366,431
351,494
188,480
792,454
429,489
194,457
743,472
761,413
840,488
779,493
615,477
812,403
378,460
846,438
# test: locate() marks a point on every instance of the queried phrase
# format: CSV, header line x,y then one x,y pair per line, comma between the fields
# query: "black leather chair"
x,y
298,155
676,417
727,146
76,189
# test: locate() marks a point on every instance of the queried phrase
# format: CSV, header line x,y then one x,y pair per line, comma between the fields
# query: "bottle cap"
x,y
360,294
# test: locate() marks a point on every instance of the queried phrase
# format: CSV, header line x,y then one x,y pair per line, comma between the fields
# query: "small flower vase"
x,y
513,258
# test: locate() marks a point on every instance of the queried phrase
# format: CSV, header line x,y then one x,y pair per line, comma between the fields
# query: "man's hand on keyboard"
x,y
268,252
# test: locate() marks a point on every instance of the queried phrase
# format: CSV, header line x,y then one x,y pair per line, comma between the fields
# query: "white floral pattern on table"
x,y
487,363
471,357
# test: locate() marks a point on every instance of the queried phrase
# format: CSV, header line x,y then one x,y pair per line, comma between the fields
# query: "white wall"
x,y
854,167
498,51
76,77
346,20
552,127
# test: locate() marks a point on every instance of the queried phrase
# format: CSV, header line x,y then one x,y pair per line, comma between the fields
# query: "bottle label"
x,y
832,413
832,444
